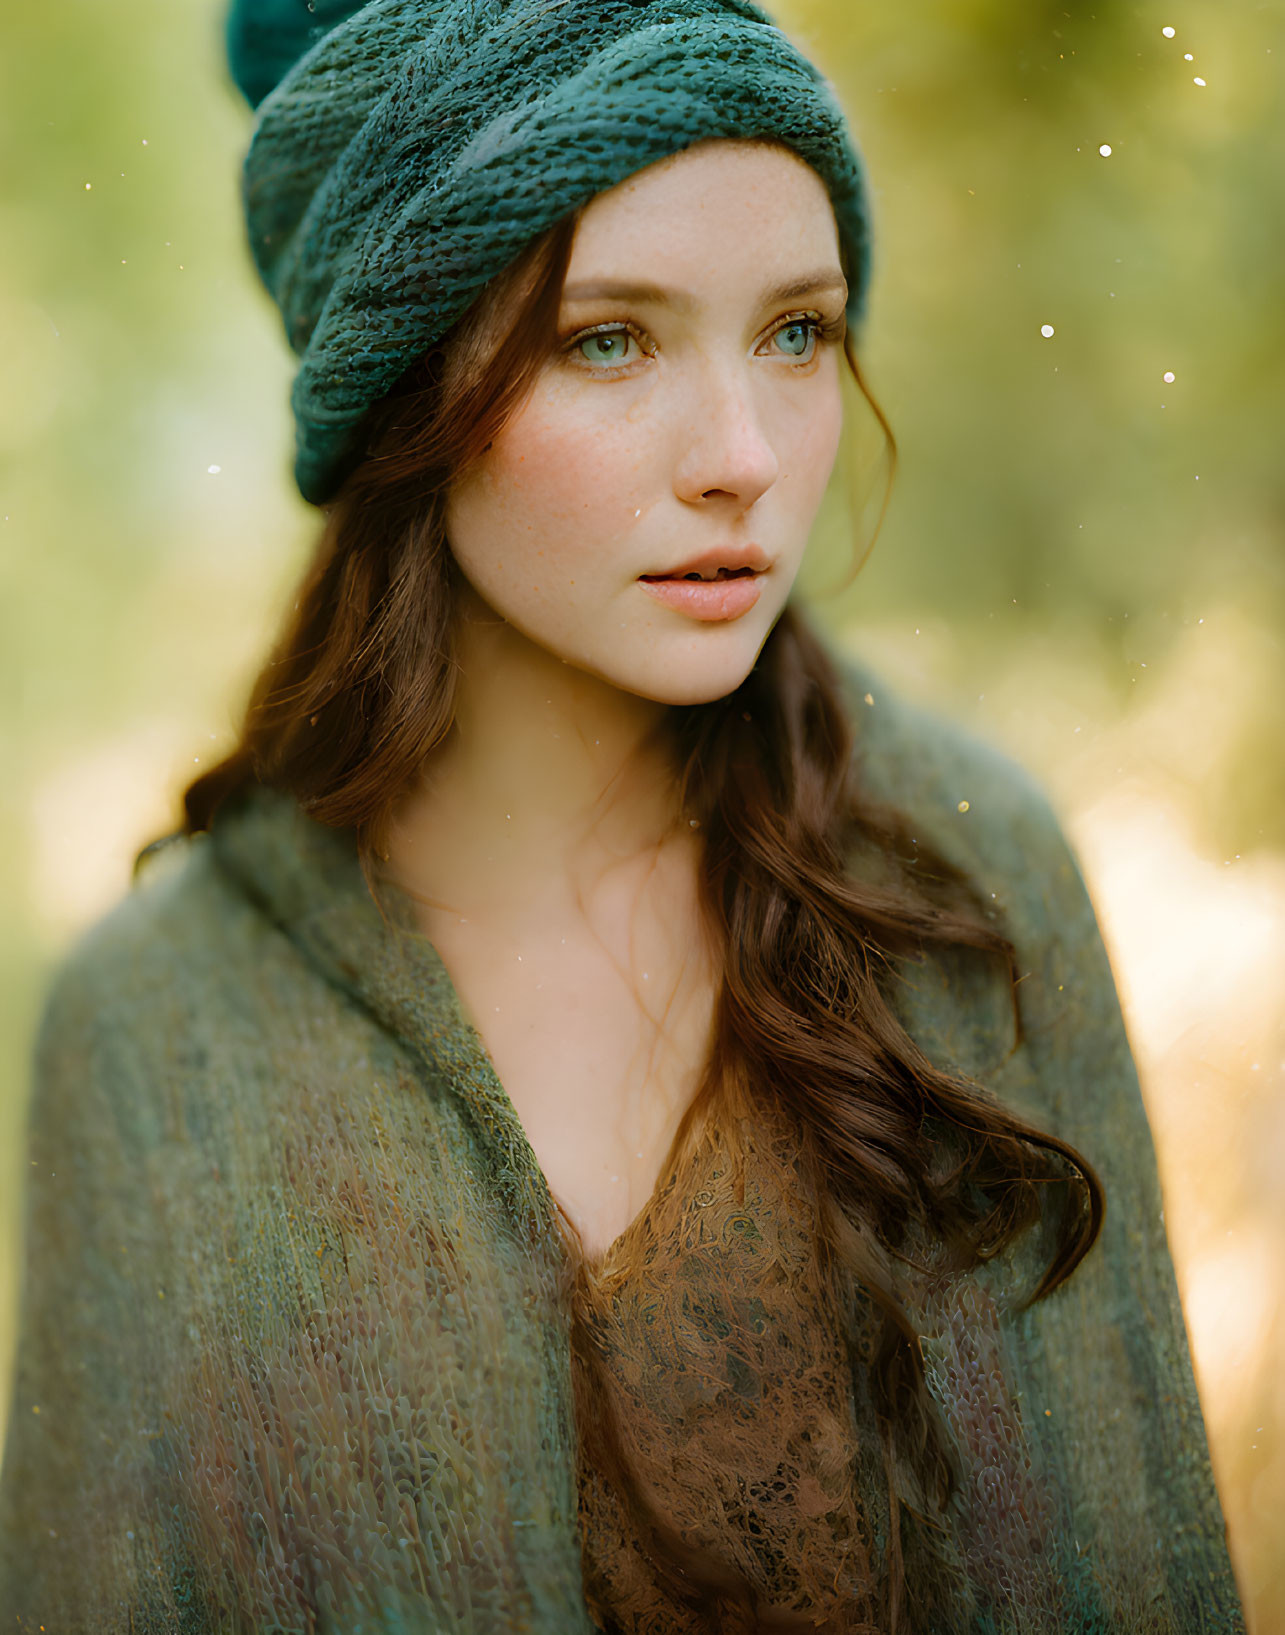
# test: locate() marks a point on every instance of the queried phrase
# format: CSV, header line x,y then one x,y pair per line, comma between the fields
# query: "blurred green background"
x,y
1082,560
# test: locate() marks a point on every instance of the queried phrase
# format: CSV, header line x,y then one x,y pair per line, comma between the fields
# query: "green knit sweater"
x,y
293,1352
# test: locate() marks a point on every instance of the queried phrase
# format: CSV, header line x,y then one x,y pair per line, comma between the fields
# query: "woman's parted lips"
x,y
722,562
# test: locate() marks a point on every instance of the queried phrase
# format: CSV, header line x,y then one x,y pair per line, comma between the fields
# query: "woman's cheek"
x,y
572,479
816,448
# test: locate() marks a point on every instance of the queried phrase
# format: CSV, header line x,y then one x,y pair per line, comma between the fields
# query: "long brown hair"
x,y
359,690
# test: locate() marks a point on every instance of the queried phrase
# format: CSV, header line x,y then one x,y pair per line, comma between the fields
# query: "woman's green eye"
x,y
610,346
798,336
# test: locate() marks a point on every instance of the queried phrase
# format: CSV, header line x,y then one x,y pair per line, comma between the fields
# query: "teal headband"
x,y
405,151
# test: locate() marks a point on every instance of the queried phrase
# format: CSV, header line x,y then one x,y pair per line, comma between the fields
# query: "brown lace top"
x,y
722,1368
726,1400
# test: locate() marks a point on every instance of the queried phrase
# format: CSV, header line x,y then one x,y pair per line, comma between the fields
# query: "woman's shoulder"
x,y
180,968
176,926
931,764
969,801
978,810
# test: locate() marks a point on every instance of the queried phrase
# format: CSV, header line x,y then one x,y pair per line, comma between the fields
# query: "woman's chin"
x,y
684,678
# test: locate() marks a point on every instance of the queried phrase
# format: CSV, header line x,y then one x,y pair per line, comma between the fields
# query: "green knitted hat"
x,y
405,151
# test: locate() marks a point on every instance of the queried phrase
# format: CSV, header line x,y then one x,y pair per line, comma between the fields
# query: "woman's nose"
x,y
725,448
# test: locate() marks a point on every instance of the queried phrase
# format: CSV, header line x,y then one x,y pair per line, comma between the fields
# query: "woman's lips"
x,y
709,599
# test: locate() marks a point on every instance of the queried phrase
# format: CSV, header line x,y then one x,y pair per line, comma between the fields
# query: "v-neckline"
x,y
308,877
593,1263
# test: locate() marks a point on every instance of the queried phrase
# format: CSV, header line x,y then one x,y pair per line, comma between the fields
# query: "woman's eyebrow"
x,y
610,289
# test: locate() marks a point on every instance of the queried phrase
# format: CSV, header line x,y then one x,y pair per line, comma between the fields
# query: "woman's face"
x,y
691,410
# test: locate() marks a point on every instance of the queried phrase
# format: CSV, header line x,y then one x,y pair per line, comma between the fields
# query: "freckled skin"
x,y
630,457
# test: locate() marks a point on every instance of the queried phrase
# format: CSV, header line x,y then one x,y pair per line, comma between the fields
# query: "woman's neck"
x,y
549,778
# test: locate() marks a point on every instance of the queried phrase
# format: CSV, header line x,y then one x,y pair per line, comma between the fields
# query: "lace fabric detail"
x,y
735,1373
720,1363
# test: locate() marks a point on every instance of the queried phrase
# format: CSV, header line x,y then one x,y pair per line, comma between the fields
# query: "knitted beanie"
x,y
405,151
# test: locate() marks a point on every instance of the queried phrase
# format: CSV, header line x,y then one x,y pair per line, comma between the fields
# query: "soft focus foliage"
x,y
1082,559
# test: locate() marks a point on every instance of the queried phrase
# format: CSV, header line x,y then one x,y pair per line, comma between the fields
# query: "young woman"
x,y
602,1120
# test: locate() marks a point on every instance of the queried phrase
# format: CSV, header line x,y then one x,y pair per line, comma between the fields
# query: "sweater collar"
x,y
307,879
